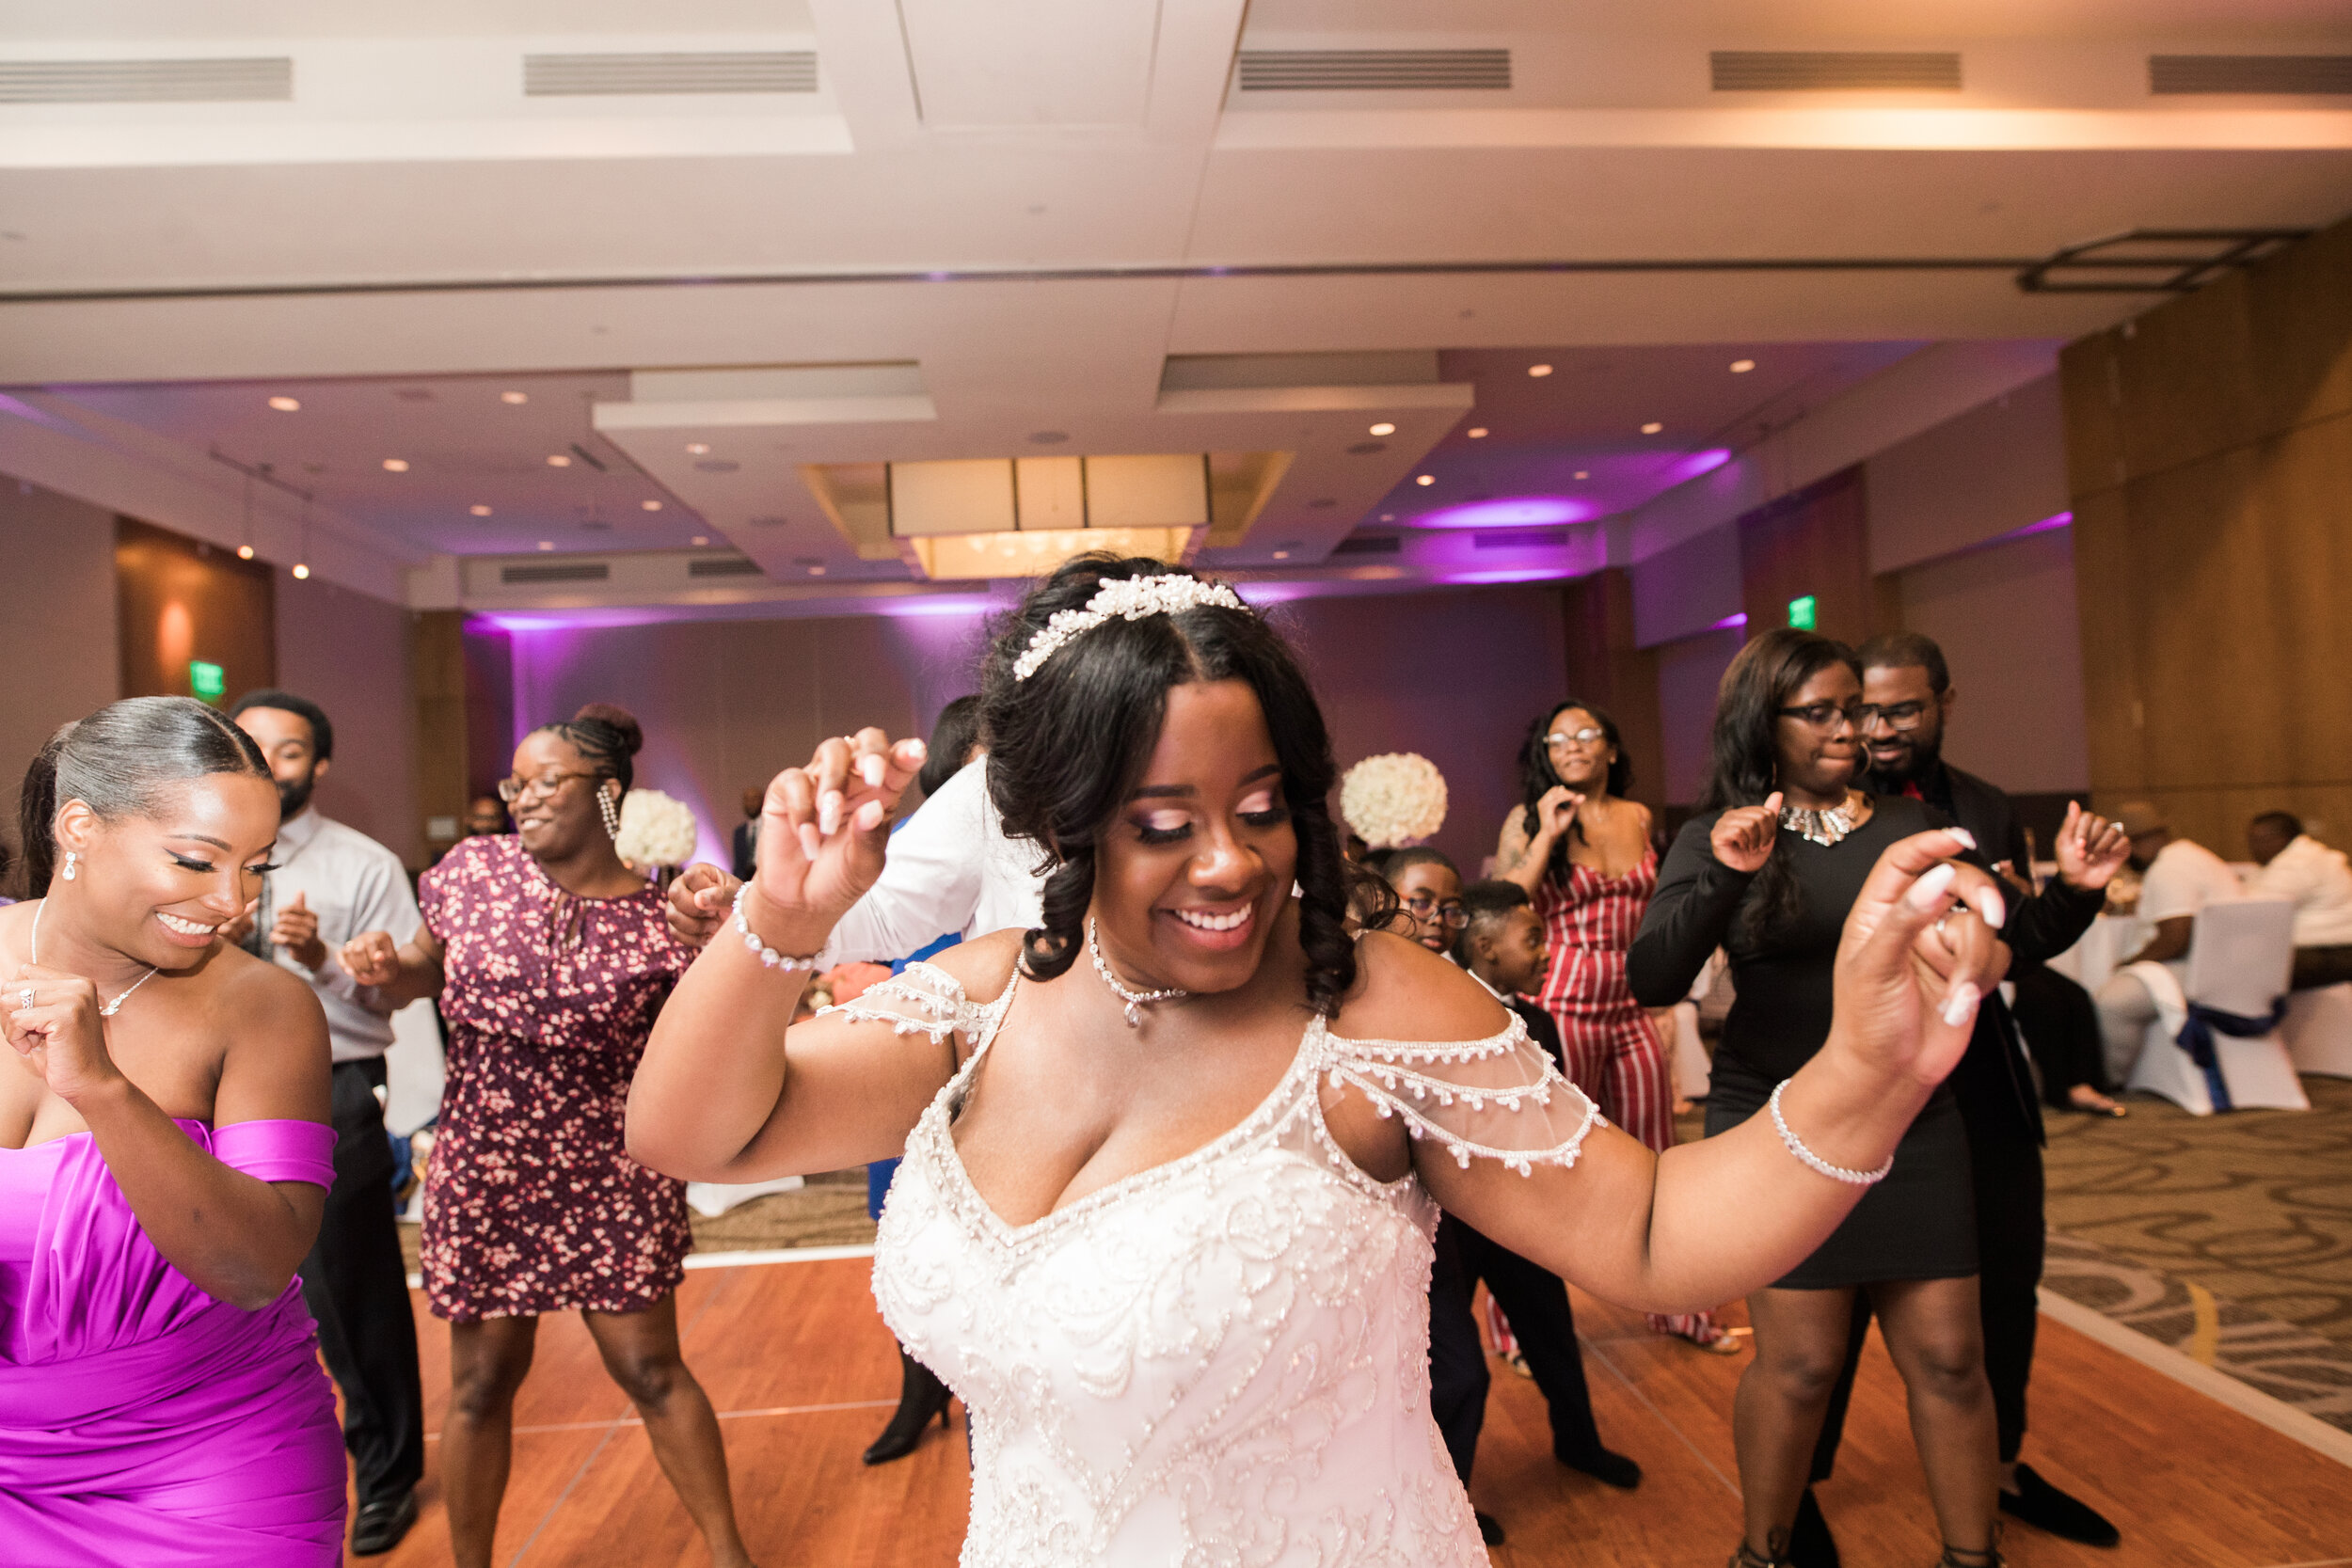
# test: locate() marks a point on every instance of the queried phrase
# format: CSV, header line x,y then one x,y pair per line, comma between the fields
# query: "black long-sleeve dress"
x,y
1920,1222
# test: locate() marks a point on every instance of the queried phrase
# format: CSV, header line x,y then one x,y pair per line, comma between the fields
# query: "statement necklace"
x,y
1825,828
1136,999
106,1009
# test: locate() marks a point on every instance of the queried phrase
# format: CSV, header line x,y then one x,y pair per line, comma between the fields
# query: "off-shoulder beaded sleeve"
x,y
921,998
1500,1098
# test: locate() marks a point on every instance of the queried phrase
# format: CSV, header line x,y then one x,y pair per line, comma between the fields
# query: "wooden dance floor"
x,y
804,1375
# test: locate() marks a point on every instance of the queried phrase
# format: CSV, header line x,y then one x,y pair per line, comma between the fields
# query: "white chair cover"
x,y
2241,952
413,1068
2318,1030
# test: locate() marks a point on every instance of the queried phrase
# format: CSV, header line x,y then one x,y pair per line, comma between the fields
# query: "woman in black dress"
x,y
1768,871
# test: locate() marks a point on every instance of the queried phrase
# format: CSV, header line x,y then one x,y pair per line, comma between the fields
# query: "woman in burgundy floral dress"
x,y
551,959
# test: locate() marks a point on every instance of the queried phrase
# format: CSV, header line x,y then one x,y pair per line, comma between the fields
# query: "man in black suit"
x,y
747,835
1906,693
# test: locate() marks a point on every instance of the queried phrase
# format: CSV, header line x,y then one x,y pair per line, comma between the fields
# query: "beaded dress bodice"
x,y
1222,1360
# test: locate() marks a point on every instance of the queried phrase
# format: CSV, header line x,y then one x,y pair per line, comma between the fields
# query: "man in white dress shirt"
x,y
2177,878
330,883
2318,882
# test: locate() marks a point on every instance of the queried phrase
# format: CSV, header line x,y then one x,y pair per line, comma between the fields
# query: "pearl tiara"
x,y
1122,598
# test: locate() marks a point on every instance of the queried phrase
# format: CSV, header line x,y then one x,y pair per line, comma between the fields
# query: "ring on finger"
x,y
24,997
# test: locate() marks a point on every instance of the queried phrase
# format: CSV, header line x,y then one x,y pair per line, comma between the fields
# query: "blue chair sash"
x,y
2202,1023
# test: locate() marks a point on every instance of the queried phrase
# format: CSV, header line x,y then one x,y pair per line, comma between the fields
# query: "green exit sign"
x,y
1801,612
208,681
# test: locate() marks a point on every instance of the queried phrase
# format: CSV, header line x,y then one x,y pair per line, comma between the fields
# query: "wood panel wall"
x,y
438,675
177,600
1607,667
2209,446
1814,541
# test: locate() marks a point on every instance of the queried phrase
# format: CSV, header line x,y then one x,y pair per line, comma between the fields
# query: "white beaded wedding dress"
x,y
1223,1360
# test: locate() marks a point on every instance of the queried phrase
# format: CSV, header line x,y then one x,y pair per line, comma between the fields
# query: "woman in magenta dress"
x,y
1584,853
551,958
165,1156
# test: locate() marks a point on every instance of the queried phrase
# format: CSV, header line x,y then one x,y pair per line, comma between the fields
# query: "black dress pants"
x,y
2061,1028
1537,1305
2010,1242
356,1287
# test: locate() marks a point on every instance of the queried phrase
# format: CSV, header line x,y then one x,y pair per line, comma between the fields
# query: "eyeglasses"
x,y
1426,908
1825,716
1588,735
1897,716
512,790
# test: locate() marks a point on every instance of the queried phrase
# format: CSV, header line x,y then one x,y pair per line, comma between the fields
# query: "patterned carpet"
x,y
2228,1237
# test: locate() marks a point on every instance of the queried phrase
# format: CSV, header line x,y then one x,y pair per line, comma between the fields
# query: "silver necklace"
x,y
1136,999
106,1009
1825,828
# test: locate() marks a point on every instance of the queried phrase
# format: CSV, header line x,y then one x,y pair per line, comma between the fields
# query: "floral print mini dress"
x,y
532,1203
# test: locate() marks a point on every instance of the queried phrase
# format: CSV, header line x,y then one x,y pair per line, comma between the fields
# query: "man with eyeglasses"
x,y
1906,696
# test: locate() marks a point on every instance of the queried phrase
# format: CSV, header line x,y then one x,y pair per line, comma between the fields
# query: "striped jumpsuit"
x,y
1613,1054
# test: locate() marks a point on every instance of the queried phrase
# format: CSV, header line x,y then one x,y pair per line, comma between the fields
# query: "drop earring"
x,y
68,873
611,816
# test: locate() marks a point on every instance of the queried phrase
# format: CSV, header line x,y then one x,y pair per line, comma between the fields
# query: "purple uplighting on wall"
x,y
1509,512
1732,622
2059,519
1698,463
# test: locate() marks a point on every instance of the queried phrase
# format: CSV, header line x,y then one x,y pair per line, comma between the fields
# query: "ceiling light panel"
x,y
253,79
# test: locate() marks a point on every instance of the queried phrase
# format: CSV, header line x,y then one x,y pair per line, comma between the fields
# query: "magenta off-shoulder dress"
x,y
141,1421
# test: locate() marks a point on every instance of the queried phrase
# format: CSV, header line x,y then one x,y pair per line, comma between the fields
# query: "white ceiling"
x,y
372,236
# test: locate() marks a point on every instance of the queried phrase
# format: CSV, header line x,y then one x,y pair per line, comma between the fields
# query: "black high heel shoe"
x,y
921,1396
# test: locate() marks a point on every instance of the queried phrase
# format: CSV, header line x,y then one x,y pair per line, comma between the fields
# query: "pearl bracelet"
x,y
768,956
1835,1173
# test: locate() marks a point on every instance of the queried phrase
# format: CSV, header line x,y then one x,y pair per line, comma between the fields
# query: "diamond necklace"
x,y
1136,999
106,1009
1825,828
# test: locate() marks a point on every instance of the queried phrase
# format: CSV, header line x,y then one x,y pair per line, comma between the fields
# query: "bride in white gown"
x,y
1172,1159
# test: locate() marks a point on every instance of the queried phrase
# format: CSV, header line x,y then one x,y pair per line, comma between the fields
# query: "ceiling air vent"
x,y
2271,74
1518,538
723,566
606,75
1373,69
564,571
259,79
1816,70
1370,544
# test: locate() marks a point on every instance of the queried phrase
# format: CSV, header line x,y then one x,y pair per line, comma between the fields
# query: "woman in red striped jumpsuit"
x,y
1584,853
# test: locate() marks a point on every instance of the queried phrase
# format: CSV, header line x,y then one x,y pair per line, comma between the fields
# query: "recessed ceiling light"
x,y
1281,555
1652,428
479,511
514,397
1384,428
817,570
546,543
1477,432
286,405
244,552
300,570
559,460
650,506
1539,369
395,464
1742,366
697,447
702,539
1387,517
1583,474
1424,478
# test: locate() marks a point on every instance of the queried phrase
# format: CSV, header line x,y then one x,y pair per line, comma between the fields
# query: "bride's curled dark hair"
x,y
1068,744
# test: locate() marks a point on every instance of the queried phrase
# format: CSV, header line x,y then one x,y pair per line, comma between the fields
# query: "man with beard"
x,y
329,883
1906,694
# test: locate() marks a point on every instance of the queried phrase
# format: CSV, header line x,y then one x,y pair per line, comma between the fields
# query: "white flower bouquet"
x,y
655,829
1393,799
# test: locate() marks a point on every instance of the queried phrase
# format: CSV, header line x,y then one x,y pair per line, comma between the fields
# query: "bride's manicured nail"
x,y
829,812
1964,835
869,816
811,841
1989,904
1929,890
1961,1006
869,768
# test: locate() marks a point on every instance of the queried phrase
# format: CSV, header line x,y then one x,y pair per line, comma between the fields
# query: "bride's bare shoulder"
x,y
983,966
1404,991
